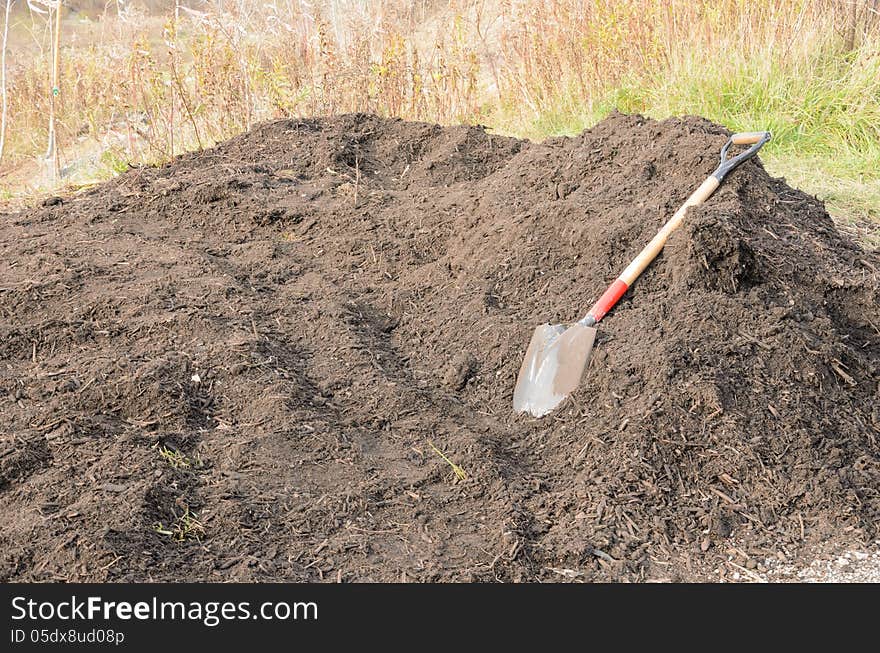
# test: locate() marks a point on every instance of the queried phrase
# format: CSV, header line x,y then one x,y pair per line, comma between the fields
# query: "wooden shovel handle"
x,y
747,138
649,253
617,289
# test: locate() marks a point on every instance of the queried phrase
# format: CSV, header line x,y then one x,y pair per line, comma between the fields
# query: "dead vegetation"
x,y
141,86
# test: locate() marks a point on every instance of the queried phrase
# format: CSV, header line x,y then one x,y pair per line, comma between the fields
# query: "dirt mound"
x,y
246,364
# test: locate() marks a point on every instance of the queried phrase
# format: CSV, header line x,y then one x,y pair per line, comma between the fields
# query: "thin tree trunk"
x,y
849,42
3,79
52,151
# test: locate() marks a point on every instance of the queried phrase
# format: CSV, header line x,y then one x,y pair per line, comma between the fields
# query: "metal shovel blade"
x,y
552,369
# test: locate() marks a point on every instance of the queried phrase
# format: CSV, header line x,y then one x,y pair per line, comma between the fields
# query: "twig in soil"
x,y
837,366
760,343
110,564
567,573
459,472
724,496
603,556
357,178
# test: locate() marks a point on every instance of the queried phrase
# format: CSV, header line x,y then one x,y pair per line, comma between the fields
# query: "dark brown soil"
x,y
242,365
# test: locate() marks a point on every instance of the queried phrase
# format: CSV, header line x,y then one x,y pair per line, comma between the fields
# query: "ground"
x,y
292,357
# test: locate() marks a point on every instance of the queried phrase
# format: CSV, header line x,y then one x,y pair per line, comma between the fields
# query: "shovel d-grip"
x,y
557,354
617,289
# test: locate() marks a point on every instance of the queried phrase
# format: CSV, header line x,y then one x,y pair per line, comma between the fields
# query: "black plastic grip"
x,y
726,164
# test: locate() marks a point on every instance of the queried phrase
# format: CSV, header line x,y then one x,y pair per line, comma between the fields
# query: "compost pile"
x,y
292,357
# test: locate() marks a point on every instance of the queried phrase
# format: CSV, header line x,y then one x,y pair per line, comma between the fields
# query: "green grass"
x,y
851,199
823,108
184,527
459,472
177,459
824,114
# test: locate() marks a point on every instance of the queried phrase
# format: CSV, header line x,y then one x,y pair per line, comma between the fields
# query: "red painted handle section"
x,y
608,300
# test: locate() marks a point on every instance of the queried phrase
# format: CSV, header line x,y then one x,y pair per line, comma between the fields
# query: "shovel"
x,y
557,355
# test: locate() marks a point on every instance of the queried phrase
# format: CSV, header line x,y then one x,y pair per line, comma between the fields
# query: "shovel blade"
x,y
553,366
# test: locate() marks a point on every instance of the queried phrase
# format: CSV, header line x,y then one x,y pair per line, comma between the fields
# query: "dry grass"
x,y
150,88
141,88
